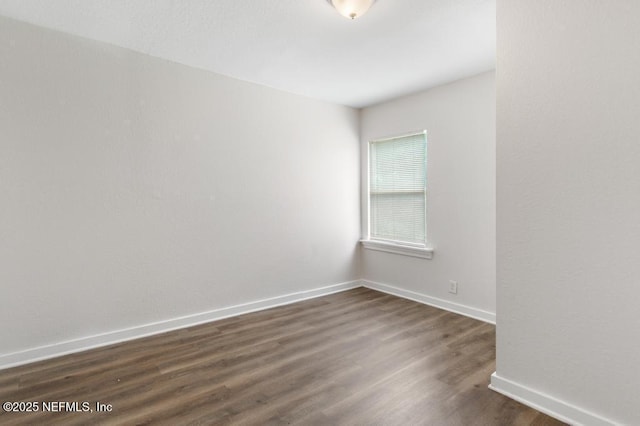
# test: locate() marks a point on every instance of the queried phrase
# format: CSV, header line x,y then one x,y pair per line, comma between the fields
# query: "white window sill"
x,y
421,252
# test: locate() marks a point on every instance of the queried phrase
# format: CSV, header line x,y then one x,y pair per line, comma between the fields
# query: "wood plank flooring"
x,y
354,358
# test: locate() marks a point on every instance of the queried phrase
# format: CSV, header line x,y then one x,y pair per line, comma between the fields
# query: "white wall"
x,y
568,206
460,123
137,190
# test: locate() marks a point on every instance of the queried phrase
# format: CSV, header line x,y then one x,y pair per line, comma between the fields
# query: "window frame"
x,y
420,250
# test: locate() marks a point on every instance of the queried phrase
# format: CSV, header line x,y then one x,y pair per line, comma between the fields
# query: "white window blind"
x,y
397,189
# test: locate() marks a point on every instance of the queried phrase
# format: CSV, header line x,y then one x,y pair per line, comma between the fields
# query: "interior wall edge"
x,y
118,336
547,404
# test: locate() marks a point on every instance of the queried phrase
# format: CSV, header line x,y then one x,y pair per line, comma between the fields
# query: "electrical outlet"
x,y
453,287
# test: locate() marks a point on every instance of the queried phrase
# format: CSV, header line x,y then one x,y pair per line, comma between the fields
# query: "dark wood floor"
x,y
355,358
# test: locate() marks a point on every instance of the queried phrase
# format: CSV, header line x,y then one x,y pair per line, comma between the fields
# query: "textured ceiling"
x,y
300,46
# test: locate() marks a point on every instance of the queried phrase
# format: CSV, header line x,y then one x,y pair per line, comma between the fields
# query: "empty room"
x,y
319,212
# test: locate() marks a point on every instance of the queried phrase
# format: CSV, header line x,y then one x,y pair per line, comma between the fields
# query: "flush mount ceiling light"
x,y
352,9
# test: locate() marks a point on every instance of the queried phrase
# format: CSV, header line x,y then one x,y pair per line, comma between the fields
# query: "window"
x,y
397,195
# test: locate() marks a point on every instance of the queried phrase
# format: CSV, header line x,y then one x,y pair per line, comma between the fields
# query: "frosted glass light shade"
x,y
352,9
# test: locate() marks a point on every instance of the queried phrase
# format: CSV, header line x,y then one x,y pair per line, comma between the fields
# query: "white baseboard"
x,y
90,342
547,404
465,310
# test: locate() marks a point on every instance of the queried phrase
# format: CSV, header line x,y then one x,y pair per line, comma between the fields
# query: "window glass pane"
x,y
397,186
